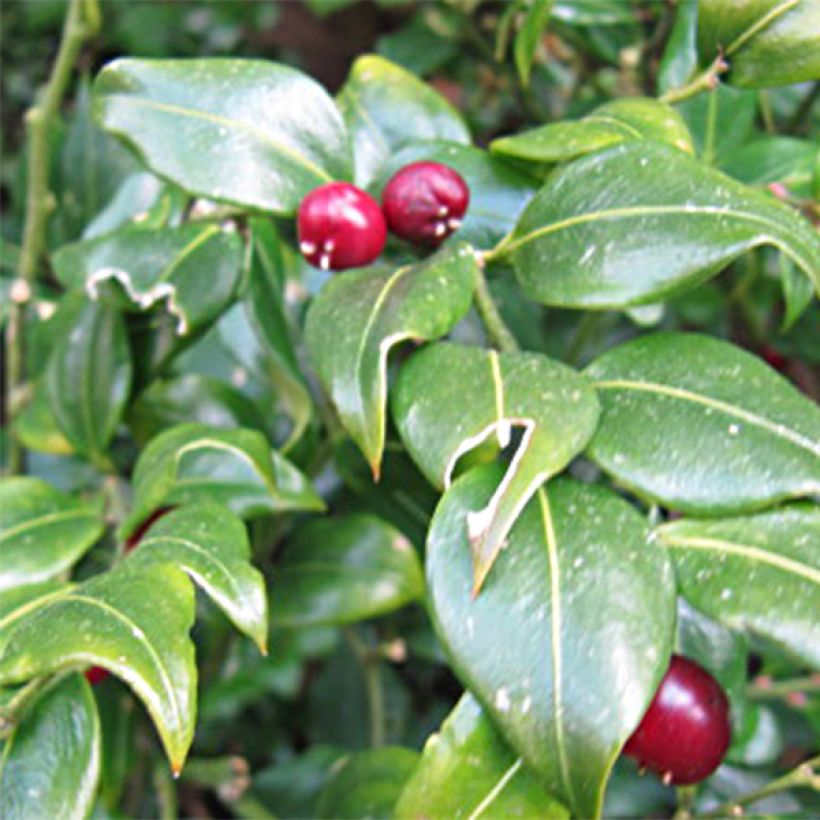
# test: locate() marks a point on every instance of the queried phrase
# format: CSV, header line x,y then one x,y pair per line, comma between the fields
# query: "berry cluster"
x,y
341,226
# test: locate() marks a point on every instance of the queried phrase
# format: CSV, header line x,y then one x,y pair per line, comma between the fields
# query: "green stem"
x,y
803,776
686,800
784,688
766,112
370,663
500,335
166,792
707,80
81,19
711,125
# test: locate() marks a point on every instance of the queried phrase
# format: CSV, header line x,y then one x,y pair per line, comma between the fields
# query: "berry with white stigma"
x,y
425,202
340,226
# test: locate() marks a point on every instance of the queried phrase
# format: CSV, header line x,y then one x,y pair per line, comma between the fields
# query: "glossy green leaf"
x,y
624,120
211,544
338,571
265,306
498,192
468,771
449,399
88,378
360,315
640,222
192,269
50,764
249,132
134,623
758,573
237,468
766,42
42,531
191,397
565,645
366,784
17,601
786,160
36,428
142,201
386,107
529,35
680,56
701,426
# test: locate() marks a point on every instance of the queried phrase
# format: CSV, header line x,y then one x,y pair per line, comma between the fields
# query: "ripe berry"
x,y
424,202
685,732
340,226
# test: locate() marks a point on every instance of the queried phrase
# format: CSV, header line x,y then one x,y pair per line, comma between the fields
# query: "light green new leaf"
x,y
42,531
449,399
193,269
360,315
759,574
565,645
386,107
467,770
624,120
50,764
640,222
366,784
766,42
211,544
249,132
528,36
702,426
498,191
237,468
338,571
135,624
88,378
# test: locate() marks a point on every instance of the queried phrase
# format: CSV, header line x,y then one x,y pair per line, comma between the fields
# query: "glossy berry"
x,y
96,674
340,226
685,732
425,202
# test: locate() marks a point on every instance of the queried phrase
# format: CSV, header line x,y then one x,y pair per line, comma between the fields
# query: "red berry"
x,y
685,732
424,202
140,531
340,226
95,675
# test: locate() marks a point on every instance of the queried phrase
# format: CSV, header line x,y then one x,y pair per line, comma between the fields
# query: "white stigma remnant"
x,y
307,248
443,210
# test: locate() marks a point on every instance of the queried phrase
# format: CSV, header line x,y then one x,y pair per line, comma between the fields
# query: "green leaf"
x,y
249,132
43,531
88,378
386,107
680,56
640,222
366,784
758,573
798,295
50,764
237,468
193,269
624,120
135,624
16,601
786,160
36,428
528,36
498,192
360,315
567,642
701,426
766,42
211,544
467,770
265,307
342,570
191,397
449,399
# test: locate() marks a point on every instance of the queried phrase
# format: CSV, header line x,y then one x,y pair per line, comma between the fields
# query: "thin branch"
x,y
707,80
500,335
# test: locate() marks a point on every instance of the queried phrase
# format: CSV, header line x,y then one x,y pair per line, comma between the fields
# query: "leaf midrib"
x,y
220,120
775,428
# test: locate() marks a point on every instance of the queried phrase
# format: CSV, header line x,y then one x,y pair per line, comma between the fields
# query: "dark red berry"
x,y
425,202
95,675
685,732
140,531
340,226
